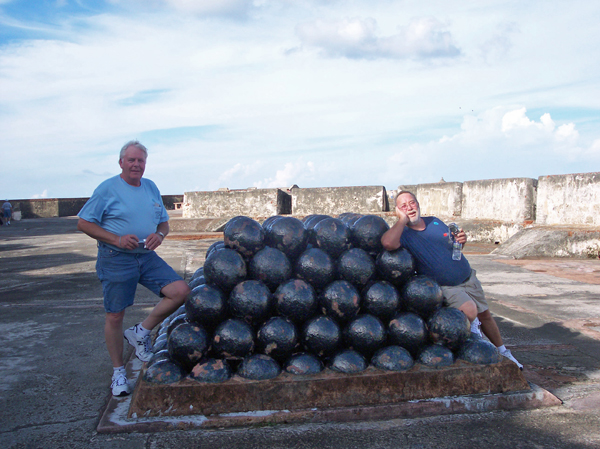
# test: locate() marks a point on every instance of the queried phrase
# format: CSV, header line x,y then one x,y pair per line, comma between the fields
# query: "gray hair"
x,y
402,192
133,143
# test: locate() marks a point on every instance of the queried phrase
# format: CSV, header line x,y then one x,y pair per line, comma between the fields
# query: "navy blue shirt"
x,y
432,250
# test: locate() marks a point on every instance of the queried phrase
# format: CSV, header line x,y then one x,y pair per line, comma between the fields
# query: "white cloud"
x,y
44,194
357,39
292,173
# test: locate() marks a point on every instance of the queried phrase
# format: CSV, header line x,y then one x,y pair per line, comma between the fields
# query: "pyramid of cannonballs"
x,y
304,296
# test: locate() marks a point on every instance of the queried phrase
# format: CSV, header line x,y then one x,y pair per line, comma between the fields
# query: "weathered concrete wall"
x,y
249,202
569,199
511,200
337,200
443,199
66,207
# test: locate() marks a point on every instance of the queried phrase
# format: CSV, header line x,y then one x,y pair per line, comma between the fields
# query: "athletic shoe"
x,y
475,329
510,357
142,345
120,385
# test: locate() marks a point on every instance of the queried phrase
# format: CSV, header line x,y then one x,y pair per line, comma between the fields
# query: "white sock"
x,y
502,349
142,331
118,370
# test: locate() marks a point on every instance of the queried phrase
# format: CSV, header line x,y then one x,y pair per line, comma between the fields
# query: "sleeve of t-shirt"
x,y
94,208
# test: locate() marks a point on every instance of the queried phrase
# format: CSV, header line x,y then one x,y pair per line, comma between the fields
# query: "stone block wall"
x,y
569,199
224,203
337,200
510,200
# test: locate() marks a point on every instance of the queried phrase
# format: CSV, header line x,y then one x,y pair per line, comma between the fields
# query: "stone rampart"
x,y
569,199
229,203
443,199
337,200
511,200
66,207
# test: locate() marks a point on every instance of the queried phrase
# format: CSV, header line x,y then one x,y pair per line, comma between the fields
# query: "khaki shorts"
x,y
471,290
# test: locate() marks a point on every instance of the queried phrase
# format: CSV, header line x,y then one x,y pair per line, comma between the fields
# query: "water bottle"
x,y
456,250
456,247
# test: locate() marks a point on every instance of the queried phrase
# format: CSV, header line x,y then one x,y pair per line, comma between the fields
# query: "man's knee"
x,y
178,291
115,319
469,308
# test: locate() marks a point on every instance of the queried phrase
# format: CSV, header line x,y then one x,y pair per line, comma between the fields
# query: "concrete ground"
x,y
55,373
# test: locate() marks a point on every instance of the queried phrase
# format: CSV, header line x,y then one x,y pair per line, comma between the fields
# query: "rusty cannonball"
x,y
225,268
366,233
244,235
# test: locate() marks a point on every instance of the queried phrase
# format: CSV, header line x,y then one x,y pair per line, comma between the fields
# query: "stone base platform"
x,y
326,397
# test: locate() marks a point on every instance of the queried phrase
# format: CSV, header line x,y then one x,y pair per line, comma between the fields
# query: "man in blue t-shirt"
x,y
429,240
126,216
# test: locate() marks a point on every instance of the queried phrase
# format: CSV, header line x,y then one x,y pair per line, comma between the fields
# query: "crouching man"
x,y
128,219
427,239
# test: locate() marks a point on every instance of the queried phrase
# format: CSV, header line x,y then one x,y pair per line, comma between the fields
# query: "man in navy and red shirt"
x,y
429,241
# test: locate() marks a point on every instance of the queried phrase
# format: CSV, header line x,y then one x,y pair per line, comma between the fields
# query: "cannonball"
x,y
211,371
381,299
396,266
393,358
365,334
332,236
187,344
356,266
270,266
316,267
409,331
349,218
206,305
225,269
233,339
287,235
296,300
251,301
259,367
340,300
479,351
277,338
304,363
422,296
309,223
199,280
450,327
321,336
164,372
348,362
436,356
244,235
366,233
216,246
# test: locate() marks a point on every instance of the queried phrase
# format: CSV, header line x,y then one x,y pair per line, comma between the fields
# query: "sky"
x,y
258,93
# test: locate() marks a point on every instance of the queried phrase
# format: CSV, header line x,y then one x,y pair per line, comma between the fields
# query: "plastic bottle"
x,y
456,250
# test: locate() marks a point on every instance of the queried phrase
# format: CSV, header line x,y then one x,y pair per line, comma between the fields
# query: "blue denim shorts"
x,y
121,272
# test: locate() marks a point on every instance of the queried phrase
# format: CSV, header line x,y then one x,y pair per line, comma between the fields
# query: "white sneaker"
x,y
120,385
142,345
476,329
510,357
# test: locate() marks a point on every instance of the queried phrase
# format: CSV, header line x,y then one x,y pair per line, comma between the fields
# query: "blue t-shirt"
x,y
123,209
432,251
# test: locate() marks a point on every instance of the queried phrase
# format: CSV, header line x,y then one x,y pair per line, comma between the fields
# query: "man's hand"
x,y
153,241
129,241
461,237
402,217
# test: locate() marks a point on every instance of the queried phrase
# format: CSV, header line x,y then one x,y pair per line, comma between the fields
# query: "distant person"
x,y
7,211
427,239
127,217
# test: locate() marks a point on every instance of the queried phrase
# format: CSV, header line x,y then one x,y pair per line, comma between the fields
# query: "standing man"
x,y
127,217
7,212
429,240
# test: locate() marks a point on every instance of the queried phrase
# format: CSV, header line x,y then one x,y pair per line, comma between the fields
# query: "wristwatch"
x,y
161,234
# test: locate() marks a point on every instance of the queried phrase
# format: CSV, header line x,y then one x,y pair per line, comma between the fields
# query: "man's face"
x,y
409,205
133,165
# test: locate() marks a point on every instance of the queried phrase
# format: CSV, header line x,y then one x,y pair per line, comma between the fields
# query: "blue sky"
x,y
240,93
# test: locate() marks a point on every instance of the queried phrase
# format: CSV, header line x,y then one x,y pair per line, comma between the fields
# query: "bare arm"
x,y
391,239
